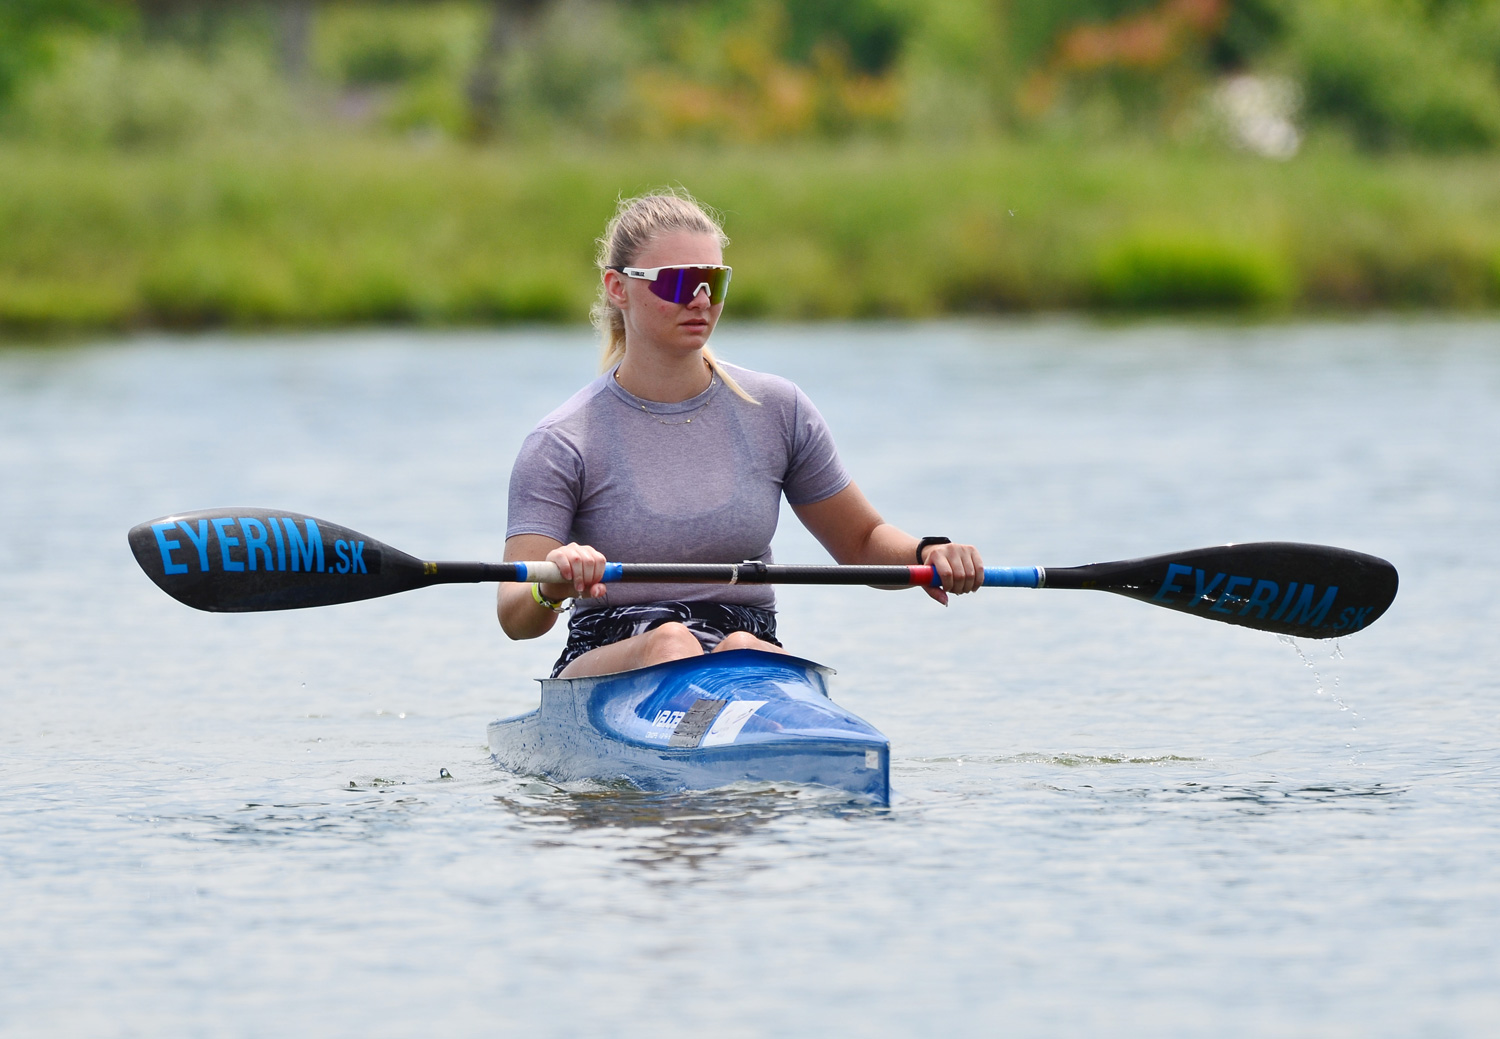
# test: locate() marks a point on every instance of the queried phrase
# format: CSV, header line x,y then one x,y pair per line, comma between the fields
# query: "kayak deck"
x,y
696,724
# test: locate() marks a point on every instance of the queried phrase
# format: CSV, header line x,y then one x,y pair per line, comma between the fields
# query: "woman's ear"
x,y
614,288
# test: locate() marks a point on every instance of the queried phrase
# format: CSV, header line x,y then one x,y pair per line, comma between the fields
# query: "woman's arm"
x,y
849,527
521,616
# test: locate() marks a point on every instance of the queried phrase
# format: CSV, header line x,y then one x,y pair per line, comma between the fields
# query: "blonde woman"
x,y
672,455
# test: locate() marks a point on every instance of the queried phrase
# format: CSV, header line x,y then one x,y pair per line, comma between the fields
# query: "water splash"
x,y
1336,653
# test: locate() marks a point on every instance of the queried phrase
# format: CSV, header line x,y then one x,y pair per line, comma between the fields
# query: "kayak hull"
x,y
696,724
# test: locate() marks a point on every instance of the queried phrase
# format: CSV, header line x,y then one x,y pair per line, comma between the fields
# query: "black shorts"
x,y
708,621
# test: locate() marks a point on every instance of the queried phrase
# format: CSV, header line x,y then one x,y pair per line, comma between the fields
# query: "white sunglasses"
x,y
681,282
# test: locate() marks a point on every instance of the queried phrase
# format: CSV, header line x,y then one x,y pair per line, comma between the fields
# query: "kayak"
x,y
699,723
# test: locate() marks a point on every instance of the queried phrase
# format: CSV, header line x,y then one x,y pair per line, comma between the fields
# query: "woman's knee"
x,y
745,640
670,641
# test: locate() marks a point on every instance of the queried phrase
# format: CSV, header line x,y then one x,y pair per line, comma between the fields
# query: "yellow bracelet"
x,y
544,602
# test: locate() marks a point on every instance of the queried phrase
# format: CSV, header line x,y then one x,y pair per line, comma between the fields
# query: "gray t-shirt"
x,y
699,481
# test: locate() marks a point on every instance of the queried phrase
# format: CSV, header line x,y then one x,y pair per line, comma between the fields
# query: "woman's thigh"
x,y
671,641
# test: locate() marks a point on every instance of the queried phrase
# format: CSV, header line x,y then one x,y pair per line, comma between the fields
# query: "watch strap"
x,y
927,543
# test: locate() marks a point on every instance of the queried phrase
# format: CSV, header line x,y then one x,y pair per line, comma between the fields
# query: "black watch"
x,y
927,543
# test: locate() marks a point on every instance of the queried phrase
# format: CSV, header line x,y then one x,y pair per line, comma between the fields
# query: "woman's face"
x,y
654,322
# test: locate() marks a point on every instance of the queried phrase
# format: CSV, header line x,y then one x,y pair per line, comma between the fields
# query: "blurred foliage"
x,y
1382,74
570,74
120,94
738,84
370,230
365,45
1147,64
324,161
1401,73
28,28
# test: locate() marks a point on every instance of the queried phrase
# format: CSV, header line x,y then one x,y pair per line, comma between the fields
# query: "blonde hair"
x,y
635,223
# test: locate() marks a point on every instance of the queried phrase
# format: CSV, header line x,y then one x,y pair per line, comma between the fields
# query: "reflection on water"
x,y
664,830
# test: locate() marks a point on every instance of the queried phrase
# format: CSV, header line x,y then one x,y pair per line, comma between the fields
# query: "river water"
x,y
1106,816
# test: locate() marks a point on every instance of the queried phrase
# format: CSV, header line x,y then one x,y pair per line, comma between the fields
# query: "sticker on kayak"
x,y
730,721
712,723
694,725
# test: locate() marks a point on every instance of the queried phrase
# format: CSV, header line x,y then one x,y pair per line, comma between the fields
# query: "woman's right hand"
x,y
582,567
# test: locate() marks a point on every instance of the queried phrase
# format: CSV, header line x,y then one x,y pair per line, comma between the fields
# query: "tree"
x,y
27,28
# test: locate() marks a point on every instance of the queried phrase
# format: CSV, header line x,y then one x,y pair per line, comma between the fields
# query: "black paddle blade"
x,y
248,560
1310,591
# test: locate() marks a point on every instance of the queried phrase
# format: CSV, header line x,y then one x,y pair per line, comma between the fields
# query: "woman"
x,y
674,456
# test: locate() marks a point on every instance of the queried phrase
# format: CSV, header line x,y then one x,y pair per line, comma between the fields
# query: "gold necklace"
x,y
712,382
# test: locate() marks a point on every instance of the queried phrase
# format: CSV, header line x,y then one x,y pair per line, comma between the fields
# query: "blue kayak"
x,y
696,724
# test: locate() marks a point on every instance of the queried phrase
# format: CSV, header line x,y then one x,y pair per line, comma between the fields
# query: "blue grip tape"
x,y
612,572
1011,577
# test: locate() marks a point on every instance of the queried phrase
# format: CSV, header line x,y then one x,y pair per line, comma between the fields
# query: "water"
x,y
1107,816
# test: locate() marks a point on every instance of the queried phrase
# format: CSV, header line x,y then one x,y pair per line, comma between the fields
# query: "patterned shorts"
x,y
708,621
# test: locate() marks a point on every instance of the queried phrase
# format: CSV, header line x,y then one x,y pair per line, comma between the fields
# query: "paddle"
x,y
248,560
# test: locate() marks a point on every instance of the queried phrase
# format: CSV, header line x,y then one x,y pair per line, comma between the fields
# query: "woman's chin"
x,y
694,338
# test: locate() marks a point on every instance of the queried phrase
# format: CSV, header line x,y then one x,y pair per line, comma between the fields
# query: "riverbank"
x,y
362,231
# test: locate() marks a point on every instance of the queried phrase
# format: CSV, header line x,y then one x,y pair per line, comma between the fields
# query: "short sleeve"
x,y
815,471
545,485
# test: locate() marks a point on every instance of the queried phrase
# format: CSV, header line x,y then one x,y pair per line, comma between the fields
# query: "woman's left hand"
x,y
958,567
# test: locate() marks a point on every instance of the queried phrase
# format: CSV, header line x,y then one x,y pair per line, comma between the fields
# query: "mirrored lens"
x,y
681,284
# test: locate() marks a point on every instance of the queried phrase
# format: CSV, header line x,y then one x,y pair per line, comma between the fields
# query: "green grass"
x,y
313,233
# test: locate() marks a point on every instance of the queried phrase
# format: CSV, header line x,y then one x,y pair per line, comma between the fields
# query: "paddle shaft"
x,y
730,573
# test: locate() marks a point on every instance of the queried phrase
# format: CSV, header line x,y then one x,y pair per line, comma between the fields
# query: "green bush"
x,y
363,45
1429,271
1159,272
574,75
26,34
106,92
1384,71
31,305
